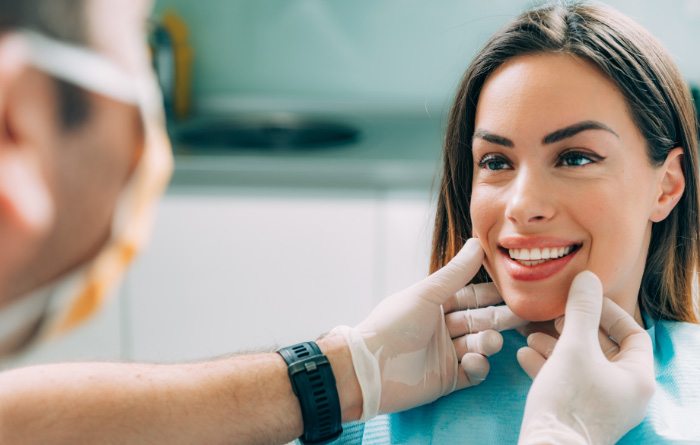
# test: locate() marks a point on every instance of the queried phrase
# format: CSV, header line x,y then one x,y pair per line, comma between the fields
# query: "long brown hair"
x,y
661,107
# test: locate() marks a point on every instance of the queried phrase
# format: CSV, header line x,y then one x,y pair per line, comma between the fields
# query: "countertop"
x,y
393,150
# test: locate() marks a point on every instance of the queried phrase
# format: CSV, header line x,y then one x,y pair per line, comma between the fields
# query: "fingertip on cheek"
x,y
473,245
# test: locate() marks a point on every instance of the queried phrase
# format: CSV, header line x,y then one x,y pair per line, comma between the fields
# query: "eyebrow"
x,y
555,136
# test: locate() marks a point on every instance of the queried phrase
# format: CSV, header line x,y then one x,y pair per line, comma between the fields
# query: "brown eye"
x,y
576,159
494,163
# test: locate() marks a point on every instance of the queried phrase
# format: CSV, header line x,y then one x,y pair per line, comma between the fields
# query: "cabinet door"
x,y
233,270
99,338
405,234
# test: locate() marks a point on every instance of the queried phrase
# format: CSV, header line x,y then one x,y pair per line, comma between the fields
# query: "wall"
x,y
409,53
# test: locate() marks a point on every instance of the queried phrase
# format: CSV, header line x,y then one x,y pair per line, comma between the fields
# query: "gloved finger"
x,y
530,360
583,309
559,324
473,370
634,342
444,283
609,347
499,318
542,343
473,296
485,343
616,322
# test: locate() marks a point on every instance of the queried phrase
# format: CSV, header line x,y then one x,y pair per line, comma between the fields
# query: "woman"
x,y
571,145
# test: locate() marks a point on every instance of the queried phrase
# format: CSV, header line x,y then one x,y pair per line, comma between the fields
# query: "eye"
x,y
494,162
577,159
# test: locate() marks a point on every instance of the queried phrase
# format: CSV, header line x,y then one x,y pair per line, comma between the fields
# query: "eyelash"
x,y
491,158
568,155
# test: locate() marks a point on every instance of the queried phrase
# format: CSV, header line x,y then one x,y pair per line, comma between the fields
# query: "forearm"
x,y
244,399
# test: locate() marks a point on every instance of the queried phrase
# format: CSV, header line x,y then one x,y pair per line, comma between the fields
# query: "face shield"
x,y
74,298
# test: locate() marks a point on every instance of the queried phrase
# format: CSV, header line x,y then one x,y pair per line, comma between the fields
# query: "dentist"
x,y
83,158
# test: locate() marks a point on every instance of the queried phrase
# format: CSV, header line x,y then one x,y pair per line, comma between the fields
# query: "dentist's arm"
x,y
582,394
246,399
249,399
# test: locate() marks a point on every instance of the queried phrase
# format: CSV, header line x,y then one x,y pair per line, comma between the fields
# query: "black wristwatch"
x,y
314,385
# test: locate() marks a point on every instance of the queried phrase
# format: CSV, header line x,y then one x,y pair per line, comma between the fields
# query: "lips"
x,y
531,259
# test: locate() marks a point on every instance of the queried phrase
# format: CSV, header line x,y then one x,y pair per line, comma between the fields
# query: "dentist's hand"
x,y
582,394
404,355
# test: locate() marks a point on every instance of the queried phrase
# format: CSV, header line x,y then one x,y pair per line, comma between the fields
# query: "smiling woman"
x,y
576,180
583,137
571,146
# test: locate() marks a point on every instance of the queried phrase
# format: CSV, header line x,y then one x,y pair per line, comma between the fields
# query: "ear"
x,y
671,185
26,206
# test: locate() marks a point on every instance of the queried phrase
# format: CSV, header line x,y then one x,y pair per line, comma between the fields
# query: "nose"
x,y
530,199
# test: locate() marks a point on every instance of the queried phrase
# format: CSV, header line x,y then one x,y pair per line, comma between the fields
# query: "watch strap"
x,y
314,385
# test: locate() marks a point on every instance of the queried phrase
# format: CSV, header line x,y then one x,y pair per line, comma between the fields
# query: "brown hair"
x,y
659,102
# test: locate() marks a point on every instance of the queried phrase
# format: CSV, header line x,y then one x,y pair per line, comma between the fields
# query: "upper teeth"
x,y
539,254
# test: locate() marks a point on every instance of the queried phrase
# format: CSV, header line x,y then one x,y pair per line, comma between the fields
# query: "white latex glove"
x,y
581,394
403,353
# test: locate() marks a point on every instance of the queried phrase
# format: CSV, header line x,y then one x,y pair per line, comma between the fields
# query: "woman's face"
x,y
562,183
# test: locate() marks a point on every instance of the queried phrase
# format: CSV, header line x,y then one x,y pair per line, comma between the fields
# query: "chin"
x,y
534,301
532,307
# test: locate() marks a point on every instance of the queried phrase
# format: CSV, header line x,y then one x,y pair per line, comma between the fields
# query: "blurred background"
x,y
307,138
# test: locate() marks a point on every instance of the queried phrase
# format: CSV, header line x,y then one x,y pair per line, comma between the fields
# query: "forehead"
x,y
549,90
117,28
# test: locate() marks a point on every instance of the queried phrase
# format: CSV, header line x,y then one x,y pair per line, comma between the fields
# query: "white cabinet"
x,y
231,270
405,236
100,338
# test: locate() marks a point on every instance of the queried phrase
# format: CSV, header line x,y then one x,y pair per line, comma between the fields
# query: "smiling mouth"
x,y
536,256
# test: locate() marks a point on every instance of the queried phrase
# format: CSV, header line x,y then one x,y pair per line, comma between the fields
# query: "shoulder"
x,y
675,341
677,328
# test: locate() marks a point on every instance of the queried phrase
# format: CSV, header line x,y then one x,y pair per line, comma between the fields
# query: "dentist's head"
x,y
572,145
82,154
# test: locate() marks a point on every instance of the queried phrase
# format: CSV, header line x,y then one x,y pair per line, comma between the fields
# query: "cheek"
x,y
485,211
488,214
619,248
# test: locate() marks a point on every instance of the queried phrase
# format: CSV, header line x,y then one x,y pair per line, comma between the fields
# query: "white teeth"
x,y
534,256
532,263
